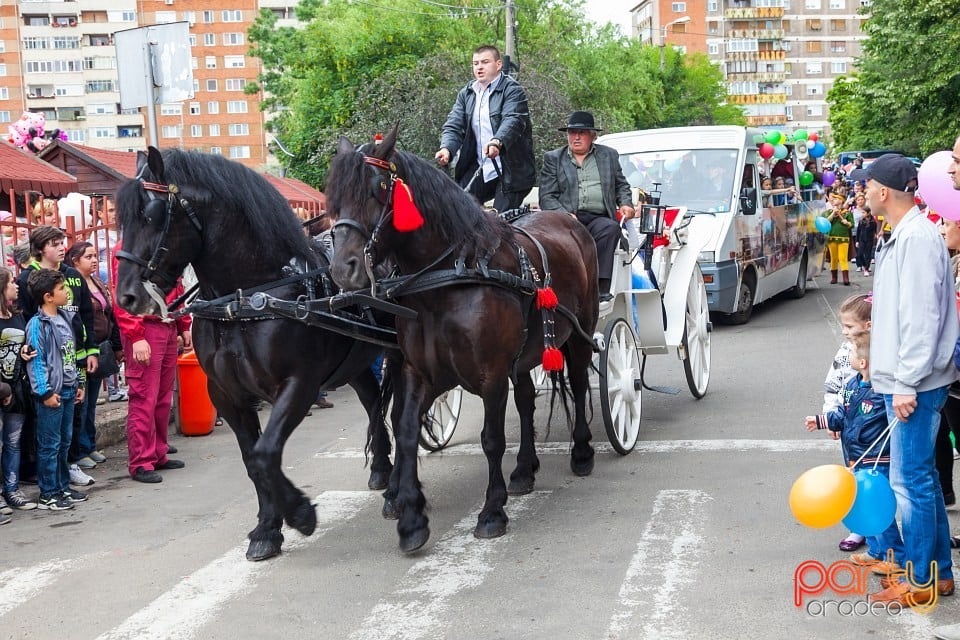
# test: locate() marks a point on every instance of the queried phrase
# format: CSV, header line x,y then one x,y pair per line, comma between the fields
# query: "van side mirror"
x,y
748,201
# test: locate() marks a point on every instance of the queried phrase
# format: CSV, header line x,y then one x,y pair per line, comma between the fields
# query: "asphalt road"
x,y
690,536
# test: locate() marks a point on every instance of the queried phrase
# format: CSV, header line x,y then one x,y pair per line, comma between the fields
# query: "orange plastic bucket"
x,y
197,413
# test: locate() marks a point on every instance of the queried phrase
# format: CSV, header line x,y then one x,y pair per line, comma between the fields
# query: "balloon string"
x,y
885,436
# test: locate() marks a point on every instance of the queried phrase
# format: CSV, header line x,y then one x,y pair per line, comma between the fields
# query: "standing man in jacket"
x,y
490,126
915,328
586,179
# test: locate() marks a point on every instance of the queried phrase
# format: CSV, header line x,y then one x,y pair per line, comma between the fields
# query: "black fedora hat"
x,y
580,120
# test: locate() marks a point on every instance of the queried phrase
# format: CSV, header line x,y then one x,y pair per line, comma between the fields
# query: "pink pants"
x,y
150,389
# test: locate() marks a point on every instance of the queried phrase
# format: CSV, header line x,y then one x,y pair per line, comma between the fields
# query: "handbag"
x,y
107,362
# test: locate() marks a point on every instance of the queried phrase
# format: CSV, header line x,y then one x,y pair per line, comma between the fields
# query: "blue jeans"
x,y
878,546
913,476
87,436
10,461
54,428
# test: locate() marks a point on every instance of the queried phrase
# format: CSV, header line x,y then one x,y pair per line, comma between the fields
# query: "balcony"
x,y
757,76
753,13
757,98
756,121
756,34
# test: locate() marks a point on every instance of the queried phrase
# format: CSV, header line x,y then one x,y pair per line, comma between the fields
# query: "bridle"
x,y
158,214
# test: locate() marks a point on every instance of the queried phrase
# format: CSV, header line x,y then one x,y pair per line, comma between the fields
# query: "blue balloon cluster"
x,y
817,149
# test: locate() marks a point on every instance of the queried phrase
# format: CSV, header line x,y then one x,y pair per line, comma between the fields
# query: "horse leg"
x,y
412,525
492,521
392,379
523,477
378,439
579,354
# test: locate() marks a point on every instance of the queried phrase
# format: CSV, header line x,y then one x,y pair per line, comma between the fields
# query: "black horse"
x,y
238,232
478,333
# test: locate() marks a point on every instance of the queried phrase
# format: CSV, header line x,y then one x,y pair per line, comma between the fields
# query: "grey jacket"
x,y
510,119
558,181
914,321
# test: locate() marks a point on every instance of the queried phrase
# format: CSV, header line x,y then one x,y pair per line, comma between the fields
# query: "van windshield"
x,y
700,179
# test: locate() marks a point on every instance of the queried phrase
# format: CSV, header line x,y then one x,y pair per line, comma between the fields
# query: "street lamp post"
x,y
663,35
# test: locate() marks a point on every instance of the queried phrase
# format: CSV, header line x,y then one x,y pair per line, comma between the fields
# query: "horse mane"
x,y
212,182
449,212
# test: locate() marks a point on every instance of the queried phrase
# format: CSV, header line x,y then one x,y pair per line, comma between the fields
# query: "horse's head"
x,y
157,241
360,196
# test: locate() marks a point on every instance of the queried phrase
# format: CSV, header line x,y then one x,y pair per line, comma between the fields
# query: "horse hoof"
x,y
390,511
303,518
415,540
487,530
582,467
262,550
520,486
378,480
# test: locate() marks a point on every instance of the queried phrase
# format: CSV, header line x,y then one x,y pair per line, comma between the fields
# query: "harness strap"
x,y
406,285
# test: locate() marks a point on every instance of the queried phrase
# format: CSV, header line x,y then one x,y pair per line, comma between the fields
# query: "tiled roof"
x,y
296,191
22,171
123,162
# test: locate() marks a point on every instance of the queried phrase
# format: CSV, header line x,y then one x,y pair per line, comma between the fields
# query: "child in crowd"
x,y
57,384
854,318
860,420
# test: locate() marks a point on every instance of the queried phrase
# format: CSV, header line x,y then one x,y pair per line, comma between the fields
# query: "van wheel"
x,y
800,289
745,301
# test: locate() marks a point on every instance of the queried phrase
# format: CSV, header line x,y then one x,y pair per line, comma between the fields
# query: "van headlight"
x,y
707,256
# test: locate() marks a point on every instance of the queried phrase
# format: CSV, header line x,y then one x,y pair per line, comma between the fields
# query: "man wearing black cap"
x,y
490,126
586,179
914,328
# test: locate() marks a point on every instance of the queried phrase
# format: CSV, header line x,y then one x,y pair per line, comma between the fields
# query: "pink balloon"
x,y
766,150
936,185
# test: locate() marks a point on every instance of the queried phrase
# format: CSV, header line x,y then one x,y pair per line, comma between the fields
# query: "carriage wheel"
x,y
696,337
539,379
620,386
443,417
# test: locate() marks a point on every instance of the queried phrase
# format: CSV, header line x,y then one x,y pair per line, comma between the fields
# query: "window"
x,y
67,42
170,131
130,132
211,84
234,62
171,109
190,17
815,110
75,135
232,15
234,84
4,93
194,108
788,89
814,89
838,26
236,106
166,17
241,129
207,17
210,62
237,153
217,150
196,86
812,4
712,6
814,68
99,62
713,48
838,68
193,63
100,86
838,4
36,43
814,24
3,46
838,46
235,38
192,39
103,109
4,116
210,39
213,107
678,7
128,16
99,133
196,130
814,46
214,131
3,69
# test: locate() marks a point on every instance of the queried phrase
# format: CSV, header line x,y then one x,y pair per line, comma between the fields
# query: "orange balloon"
x,y
823,496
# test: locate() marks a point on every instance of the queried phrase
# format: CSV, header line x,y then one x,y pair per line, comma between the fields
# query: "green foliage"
x,y
355,69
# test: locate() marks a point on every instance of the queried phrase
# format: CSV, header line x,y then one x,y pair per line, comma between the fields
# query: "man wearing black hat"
x,y
490,126
914,328
586,179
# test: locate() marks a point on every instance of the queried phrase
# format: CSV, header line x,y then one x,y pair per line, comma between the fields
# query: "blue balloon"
x,y
823,225
817,150
875,506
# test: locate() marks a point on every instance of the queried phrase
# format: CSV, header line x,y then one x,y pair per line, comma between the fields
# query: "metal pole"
x,y
151,94
510,51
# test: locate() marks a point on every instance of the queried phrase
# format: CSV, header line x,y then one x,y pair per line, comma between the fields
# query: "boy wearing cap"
x,y
915,328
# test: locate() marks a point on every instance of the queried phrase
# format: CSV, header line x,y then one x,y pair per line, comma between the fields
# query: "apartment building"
x,y
779,57
58,57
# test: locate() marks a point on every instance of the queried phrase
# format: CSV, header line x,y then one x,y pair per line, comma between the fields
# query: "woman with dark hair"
x,y
83,257
13,354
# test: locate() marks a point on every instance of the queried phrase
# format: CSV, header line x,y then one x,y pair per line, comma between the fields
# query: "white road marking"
x,y
457,562
20,584
183,610
665,561
652,446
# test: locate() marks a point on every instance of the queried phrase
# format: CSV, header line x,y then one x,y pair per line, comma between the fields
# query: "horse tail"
x,y
560,387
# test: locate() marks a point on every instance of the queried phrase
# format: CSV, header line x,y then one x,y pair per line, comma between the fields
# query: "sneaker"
x,y
18,500
97,457
4,508
170,463
86,462
119,395
864,559
866,273
79,478
75,496
54,503
145,475
101,400
5,519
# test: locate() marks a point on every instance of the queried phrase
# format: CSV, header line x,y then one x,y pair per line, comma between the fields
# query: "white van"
x,y
752,251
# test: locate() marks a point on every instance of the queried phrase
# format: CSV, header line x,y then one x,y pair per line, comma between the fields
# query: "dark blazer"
x,y
558,181
510,119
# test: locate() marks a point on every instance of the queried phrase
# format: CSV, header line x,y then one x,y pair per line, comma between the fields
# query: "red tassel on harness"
x,y
547,298
552,359
406,216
